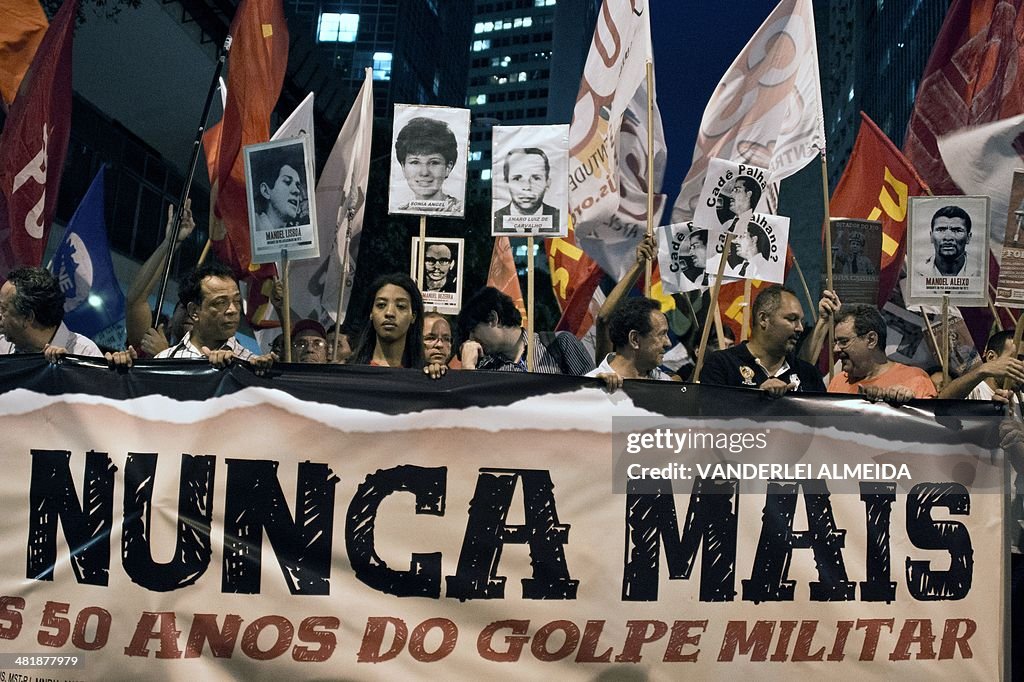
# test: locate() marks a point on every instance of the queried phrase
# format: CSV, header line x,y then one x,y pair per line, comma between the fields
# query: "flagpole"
x,y
807,291
931,334
945,339
650,172
711,309
187,186
349,213
530,350
827,227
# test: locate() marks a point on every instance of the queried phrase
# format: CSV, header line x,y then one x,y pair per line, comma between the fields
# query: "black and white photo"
x,y
281,211
948,250
442,273
528,180
428,163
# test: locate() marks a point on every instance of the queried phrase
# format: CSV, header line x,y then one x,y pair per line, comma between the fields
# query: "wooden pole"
x,y
286,323
945,339
531,351
1017,333
421,252
344,276
827,226
748,287
713,308
204,254
931,335
648,266
807,291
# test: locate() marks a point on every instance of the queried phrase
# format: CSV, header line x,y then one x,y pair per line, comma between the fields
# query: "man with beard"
x,y
527,174
860,347
768,360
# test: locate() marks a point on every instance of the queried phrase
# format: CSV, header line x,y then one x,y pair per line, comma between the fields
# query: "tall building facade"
x,y
417,48
872,54
526,60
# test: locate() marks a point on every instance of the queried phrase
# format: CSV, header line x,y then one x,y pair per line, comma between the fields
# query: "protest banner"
x,y
180,522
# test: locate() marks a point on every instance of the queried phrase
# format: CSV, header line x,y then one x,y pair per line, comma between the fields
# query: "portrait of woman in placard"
x,y
428,173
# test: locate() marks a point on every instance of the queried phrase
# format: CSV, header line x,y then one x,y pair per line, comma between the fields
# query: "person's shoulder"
x,y
548,209
504,210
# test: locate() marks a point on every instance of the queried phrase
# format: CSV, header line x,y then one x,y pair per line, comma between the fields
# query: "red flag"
x,y
21,32
876,185
975,75
257,62
33,145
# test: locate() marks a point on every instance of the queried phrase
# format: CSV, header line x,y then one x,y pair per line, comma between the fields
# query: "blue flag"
x,y
82,265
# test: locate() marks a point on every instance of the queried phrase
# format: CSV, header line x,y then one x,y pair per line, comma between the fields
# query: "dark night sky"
x,y
695,41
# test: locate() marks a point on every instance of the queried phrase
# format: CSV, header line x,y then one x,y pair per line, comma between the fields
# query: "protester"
x,y
860,347
494,339
309,342
646,251
138,315
394,337
32,317
639,333
211,296
767,361
437,338
427,151
984,382
344,346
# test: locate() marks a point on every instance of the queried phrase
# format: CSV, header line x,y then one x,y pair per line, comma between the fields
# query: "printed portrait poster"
x,y
442,273
1010,289
682,256
529,181
282,215
428,161
963,354
856,259
731,193
948,250
758,250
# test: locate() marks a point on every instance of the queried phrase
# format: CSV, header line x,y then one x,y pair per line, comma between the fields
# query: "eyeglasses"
x,y
433,338
436,261
843,342
305,344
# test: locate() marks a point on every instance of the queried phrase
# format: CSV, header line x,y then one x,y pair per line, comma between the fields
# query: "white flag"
x,y
981,160
299,123
608,139
766,111
340,200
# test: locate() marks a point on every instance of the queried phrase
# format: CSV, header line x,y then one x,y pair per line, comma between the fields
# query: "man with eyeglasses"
x,y
437,339
309,342
768,360
860,347
437,266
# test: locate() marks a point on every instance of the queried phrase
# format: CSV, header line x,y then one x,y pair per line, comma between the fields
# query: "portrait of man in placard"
x,y
428,164
528,180
948,250
730,195
280,201
856,259
442,273
758,250
682,257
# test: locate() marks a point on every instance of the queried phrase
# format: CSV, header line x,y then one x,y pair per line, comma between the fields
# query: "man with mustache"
x,y
768,361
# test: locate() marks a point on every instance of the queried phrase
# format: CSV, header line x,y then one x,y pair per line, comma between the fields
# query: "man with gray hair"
x,y
860,347
32,317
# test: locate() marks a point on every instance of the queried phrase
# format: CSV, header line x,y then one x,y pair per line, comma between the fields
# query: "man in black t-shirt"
x,y
768,360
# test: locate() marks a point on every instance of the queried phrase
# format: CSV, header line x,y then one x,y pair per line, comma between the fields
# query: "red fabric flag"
x,y
33,145
21,32
876,185
256,68
974,75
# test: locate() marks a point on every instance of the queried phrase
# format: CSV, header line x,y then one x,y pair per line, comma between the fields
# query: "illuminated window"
x,y
479,45
476,99
381,66
485,174
475,156
337,28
